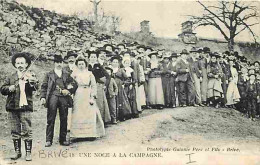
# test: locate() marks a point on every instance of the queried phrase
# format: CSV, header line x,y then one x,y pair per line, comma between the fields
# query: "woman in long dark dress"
x,y
101,76
123,105
130,86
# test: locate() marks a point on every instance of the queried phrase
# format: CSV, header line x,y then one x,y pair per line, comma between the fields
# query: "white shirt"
x,y
58,72
71,66
22,82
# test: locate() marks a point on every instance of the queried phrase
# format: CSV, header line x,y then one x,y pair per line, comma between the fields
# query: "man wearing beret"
x,y
19,87
56,89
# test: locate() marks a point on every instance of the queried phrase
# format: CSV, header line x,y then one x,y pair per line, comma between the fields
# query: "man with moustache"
x,y
19,87
71,58
56,89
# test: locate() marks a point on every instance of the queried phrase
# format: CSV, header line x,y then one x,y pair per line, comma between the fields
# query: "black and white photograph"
x,y
129,82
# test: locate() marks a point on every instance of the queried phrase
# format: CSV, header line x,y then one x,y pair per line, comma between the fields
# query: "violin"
x,y
30,77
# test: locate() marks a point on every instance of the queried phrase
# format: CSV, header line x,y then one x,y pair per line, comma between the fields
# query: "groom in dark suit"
x,y
56,89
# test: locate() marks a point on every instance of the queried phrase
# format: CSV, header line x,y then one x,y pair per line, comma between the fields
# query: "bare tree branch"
x,y
205,8
234,16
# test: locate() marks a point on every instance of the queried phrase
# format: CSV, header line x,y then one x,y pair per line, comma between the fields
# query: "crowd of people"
x,y
111,83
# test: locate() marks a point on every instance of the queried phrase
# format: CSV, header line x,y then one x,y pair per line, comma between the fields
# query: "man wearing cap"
x,y
56,89
19,87
196,75
185,81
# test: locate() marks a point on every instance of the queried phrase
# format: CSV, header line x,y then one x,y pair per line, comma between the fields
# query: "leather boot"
x,y
28,149
17,148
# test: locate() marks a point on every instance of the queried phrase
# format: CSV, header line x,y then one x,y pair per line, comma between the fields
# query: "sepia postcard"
x,y
129,82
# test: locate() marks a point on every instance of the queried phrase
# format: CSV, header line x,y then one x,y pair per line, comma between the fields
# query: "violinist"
x,y
19,87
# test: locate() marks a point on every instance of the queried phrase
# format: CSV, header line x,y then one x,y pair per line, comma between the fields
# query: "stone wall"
x,y
40,31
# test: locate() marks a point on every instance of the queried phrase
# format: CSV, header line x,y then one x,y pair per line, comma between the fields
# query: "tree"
x,y
95,5
230,18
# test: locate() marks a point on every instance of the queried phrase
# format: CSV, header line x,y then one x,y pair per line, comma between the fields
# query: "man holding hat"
x,y
19,87
56,89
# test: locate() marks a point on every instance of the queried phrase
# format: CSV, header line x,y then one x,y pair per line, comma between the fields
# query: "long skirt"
x,y
214,88
102,103
142,96
204,85
131,95
155,94
168,84
123,105
86,120
233,95
138,98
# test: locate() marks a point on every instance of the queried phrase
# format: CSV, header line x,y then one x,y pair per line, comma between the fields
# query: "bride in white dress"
x,y
86,120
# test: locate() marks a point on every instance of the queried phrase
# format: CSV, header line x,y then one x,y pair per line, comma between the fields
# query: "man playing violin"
x,y
19,87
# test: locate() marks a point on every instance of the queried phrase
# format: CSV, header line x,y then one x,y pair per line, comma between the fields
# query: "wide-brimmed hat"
x,y
153,53
109,45
184,51
119,58
206,50
141,46
193,49
149,48
215,54
24,55
102,49
58,58
256,62
121,44
251,71
166,56
174,55
70,54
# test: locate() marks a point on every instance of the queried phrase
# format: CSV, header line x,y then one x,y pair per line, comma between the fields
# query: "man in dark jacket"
x,y
185,80
56,89
19,87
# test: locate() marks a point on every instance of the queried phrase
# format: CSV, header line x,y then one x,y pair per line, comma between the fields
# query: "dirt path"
x,y
180,127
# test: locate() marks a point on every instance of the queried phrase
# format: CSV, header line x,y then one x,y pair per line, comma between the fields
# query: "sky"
x,y
165,16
